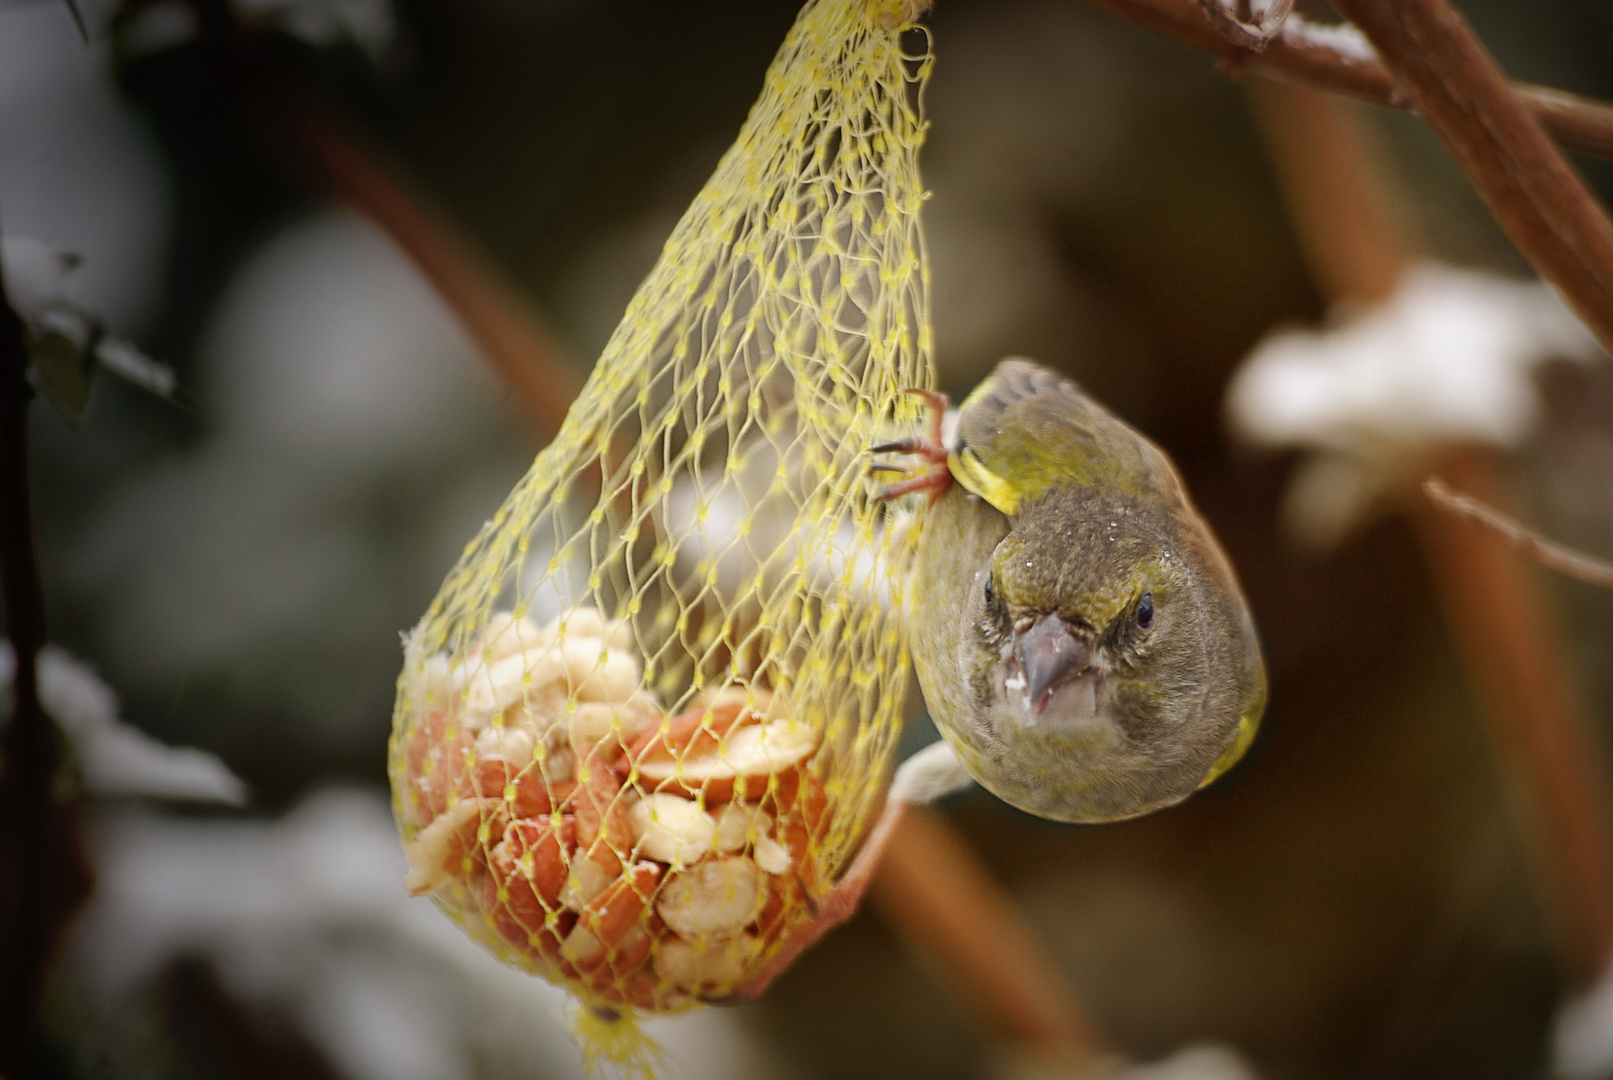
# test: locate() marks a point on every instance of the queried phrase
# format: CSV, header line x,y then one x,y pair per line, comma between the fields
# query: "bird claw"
x,y
935,476
935,479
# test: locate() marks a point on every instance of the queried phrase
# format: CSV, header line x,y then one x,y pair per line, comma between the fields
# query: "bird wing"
x,y
1027,430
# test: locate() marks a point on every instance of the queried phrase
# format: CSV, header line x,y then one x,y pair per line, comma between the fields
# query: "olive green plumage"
x,y
1111,667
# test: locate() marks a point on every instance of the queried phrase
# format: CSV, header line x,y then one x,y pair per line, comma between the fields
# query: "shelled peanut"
x,y
646,860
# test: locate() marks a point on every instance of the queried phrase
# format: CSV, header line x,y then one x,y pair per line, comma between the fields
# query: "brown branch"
x,y
1555,556
935,893
1537,720
933,890
30,744
1578,123
511,335
1333,181
303,130
1538,200
1575,122
840,904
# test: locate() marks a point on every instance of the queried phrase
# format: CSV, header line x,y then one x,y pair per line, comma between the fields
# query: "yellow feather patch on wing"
x,y
971,472
1240,743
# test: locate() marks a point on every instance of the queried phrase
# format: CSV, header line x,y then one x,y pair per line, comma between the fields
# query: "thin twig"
x,y
839,905
1539,201
78,21
1302,56
1548,553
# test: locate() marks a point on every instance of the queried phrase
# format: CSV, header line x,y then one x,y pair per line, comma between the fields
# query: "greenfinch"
x,y
1080,637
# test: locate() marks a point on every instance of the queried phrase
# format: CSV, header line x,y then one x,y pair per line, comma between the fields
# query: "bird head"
x,y
1114,654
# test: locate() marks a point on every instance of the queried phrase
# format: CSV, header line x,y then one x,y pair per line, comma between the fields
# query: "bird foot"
x,y
933,476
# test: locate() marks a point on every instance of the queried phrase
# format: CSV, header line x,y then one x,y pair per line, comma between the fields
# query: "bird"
x,y
1080,637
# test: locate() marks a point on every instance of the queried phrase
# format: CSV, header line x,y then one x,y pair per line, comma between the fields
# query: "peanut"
x,y
448,847
671,829
713,899
706,966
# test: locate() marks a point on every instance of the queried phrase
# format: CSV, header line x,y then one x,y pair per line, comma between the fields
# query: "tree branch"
x,y
1335,184
934,892
30,745
1257,34
515,340
1300,55
1564,560
1539,723
1538,200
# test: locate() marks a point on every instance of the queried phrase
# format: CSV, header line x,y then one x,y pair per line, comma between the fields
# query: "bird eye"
x,y
991,593
1145,611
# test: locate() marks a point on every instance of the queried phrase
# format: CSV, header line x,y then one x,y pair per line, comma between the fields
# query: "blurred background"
x,y
236,563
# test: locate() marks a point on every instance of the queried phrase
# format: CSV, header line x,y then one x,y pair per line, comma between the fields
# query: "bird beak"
x,y
1047,653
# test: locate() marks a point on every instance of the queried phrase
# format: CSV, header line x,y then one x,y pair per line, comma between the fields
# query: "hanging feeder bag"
x,y
644,723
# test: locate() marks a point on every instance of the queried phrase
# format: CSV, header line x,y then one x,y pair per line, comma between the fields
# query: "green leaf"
x,y
61,371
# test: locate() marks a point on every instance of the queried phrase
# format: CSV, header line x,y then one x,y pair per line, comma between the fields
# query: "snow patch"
x,y
1450,358
115,759
1582,1042
1342,39
307,915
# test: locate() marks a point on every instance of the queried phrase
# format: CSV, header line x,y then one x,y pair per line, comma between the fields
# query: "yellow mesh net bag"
x,y
644,723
